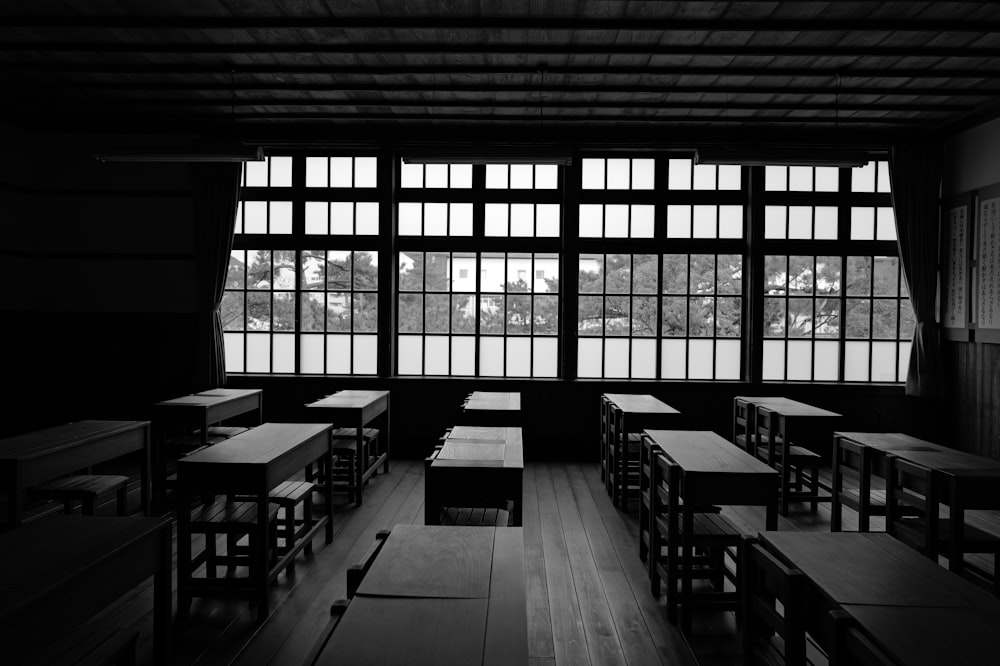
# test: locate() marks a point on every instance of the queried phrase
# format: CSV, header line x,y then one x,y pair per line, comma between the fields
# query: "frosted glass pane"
x,y
589,357
679,174
885,224
775,178
238,228
258,352
774,221
883,176
863,178
522,219
316,217
311,354
730,221
827,361
856,361
704,176
496,219
491,357
703,221
642,221
774,360
365,172
590,220
436,355
255,217
727,359
800,222
592,176
284,353
862,224
700,359
643,173
826,222
884,356
545,358
281,217
904,359
547,220
827,179
410,349
519,357
409,219
411,175
616,221
256,173
435,217
365,354
674,359
316,172
366,218
546,176
281,171
435,175
341,172
234,351
461,219
618,174
461,176
342,218
800,360
729,176
644,359
678,221
338,354
521,176
800,179
616,358
463,356
496,176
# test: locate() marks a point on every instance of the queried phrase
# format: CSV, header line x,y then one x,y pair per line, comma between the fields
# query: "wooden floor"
x,y
587,591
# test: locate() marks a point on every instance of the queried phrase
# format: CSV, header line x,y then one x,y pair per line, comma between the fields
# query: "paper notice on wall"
x,y
988,311
956,267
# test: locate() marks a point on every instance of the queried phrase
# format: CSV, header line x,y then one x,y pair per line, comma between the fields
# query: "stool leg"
x,y
814,487
211,555
307,520
290,537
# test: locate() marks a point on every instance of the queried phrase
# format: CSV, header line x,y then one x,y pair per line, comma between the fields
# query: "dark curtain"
x,y
915,174
216,196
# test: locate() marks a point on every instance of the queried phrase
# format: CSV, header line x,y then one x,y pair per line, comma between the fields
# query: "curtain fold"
x,y
216,197
915,174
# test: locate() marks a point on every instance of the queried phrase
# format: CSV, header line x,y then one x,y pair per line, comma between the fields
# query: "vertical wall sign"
x,y
988,262
955,273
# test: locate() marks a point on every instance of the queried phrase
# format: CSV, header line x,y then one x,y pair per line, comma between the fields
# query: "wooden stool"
x,y
85,488
233,519
353,467
287,496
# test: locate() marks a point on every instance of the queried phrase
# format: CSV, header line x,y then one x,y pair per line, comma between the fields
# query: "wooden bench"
x,y
86,489
774,603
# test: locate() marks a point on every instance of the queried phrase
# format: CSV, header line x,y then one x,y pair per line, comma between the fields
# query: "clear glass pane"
x,y
616,315
858,318
774,317
411,271
590,315
673,363
675,316
800,276
907,321
492,312
886,276
859,277
231,311
728,317
800,317
884,318
437,272
644,316
644,274
729,274
493,272
338,271
518,314
411,313
702,274
546,273
313,311
283,306
338,311
258,311
827,318
463,313
701,316
675,274
618,270
546,315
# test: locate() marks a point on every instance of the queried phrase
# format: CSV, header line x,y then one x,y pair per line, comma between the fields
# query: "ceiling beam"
x,y
519,23
501,48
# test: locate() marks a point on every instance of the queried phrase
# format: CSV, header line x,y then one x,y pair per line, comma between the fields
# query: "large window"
x,y
343,265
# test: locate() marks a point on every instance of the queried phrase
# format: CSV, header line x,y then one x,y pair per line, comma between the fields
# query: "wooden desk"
x,y
486,433
33,458
201,410
358,409
59,572
900,600
251,463
802,425
473,472
492,408
638,412
438,596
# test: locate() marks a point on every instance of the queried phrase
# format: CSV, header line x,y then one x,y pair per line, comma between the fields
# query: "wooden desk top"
x,y
479,453
872,568
259,445
891,441
349,399
508,435
210,398
230,393
955,463
787,407
640,403
433,561
703,451
67,436
41,557
493,401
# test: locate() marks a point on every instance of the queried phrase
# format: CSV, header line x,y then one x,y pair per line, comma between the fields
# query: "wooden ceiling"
x,y
518,67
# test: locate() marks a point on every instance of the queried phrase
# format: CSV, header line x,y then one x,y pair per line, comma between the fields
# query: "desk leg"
x,y
686,582
183,555
260,569
360,460
771,510
623,476
836,510
385,434
518,493
956,533
782,432
162,600
325,467
145,474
